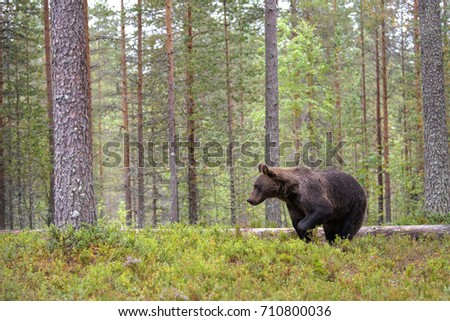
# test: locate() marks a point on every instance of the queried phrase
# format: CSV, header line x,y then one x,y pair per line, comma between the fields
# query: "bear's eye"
x,y
256,187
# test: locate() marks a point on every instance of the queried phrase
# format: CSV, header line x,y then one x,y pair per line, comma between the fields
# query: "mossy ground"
x,y
189,263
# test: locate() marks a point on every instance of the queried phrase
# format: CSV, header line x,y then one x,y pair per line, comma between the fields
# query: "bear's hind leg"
x,y
352,224
330,233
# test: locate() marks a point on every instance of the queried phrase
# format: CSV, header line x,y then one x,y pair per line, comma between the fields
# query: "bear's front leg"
x,y
316,214
297,215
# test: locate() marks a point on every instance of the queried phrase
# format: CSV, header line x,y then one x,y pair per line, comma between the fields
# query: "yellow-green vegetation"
x,y
189,263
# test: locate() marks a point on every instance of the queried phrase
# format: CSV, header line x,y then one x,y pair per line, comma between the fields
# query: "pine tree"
x,y
174,209
272,145
141,183
437,171
126,133
74,188
2,129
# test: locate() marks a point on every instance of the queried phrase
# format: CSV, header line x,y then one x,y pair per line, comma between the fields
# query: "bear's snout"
x,y
251,201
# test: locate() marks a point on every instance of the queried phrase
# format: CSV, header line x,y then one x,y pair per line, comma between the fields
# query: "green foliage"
x,y
323,40
180,262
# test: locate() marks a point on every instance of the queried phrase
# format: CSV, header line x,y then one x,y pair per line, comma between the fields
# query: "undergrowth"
x,y
191,263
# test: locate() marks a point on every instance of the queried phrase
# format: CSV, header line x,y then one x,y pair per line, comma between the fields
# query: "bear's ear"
x,y
267,171
260,167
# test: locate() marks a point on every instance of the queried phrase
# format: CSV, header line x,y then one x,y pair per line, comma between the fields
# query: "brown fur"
x,y
330,198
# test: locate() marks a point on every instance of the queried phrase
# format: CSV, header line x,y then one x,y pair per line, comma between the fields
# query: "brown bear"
x,y
330,198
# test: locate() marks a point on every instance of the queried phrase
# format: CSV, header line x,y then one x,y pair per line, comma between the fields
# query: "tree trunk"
x,y
2,130
126,133
414,231
337,78
364,101
18,145
230,155
154,200
88,61
174,209
74,186
190,109
48,74
100,150
407,140
296,113
272,144
29,175
378,130
418,91
387,177
297,117
140,191
437,171
445,41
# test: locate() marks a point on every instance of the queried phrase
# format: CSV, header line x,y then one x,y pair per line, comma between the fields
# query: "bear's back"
x,y
343,188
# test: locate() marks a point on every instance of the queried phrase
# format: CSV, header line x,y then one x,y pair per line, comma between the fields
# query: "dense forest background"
x,y
349,97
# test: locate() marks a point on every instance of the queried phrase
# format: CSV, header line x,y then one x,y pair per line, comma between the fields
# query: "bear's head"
x,y
265,186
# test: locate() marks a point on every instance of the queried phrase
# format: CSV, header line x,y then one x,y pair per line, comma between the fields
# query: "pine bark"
x,y
100,149
230,155
141,183
406,137
174,209
384,76
297,117
272,144
48,74
190,110
88,61
418,91
125,127
436,155
154,200
18,148
337,78
378,130
2,129
364,98
74,186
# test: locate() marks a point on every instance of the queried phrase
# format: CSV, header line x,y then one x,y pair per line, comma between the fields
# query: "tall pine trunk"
x,y
154,200
2,129
174,209
190,110
100,149
337,78
364,101
48,74
378,129
384,75
418,91
88,61
272,144
297,117
437,171
407,138
18,148
74,182
406,135
230,155
140,191
126,133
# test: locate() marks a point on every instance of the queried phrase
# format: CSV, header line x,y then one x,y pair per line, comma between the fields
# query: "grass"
x,y
188,263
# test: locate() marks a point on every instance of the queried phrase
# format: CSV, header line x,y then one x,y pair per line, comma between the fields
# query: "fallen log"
x,y
412,230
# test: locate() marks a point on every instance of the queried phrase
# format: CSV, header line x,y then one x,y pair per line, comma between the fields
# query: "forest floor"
x,y
193,263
